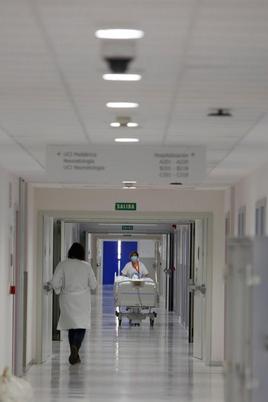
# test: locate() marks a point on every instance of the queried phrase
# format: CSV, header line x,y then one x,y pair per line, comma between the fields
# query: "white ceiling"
x,y
196,55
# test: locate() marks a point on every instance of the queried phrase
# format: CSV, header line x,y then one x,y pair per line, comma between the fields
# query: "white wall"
x,y
246,193
69,236
7,220
146,249
155,201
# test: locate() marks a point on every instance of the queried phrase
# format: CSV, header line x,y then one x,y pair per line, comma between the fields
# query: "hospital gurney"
x,y
135,299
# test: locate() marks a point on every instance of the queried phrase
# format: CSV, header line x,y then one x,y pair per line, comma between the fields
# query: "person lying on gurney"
x,y
134,268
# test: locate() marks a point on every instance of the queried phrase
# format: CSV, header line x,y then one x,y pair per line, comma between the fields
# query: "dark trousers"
x,y
76,336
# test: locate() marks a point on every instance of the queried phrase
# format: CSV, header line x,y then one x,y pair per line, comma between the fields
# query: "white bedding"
x,y
134,292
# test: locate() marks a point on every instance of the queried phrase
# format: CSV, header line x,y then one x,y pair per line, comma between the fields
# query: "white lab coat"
x,y
73,280
129,270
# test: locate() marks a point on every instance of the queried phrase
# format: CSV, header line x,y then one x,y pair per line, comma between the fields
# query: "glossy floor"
x,y
127,364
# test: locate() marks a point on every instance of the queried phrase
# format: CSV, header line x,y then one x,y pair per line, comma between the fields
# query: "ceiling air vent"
x,y
220,112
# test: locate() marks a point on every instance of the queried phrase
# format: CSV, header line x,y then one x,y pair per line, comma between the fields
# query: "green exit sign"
x,y
127,227
125,206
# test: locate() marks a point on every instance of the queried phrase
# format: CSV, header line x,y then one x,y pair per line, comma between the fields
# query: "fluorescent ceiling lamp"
x,y
132,124
119,34
129,181
122,105
129,188
121,77
127,140
115,124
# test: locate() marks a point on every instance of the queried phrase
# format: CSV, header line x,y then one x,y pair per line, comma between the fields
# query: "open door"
x,y
47,297
157,265
163,267
110,261
167,272
199,289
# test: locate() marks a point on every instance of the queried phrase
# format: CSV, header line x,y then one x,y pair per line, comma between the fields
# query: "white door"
x,y
199,289
99,262
163,258
47,297
167,272
157,265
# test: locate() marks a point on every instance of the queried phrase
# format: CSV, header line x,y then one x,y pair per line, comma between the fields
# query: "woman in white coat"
x,y
73,280
135,268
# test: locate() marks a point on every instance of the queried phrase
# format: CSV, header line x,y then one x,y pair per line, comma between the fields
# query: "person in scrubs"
x,y
73,280
135,268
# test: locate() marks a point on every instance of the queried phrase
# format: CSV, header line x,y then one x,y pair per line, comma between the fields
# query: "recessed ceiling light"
x,y
131,124
121,77
129,188
129,181
127,140
119,34
122,105
115,124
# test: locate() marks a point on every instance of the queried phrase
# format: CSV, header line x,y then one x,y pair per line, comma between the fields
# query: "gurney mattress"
x,y
135,292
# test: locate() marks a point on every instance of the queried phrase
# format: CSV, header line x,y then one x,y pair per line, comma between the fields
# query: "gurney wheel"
x,y
151,322
119,322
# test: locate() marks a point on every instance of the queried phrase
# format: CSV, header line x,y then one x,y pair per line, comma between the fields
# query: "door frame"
x,y
47,258
115,217
103,237
200,262
20,301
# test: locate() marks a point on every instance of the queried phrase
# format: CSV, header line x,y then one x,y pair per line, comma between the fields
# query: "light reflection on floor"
x,y
127,364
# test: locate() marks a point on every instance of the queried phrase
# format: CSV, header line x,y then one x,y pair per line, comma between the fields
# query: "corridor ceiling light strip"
x,y
119,33
122,105
129,181
132,124
129,188
126,140
121,77
115,124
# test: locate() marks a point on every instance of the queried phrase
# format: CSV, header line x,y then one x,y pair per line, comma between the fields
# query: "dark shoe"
x,y
74,356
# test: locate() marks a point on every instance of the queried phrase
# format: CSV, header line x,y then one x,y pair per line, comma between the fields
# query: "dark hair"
x,y
76,252
134,253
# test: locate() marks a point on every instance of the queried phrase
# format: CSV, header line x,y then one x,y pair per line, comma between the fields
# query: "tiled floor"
x,y
127,364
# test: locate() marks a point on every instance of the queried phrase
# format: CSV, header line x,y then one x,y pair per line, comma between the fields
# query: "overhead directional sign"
x,y
114,164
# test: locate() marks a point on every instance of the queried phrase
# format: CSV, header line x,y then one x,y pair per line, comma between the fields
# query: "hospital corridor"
x,y
133,200
128,364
